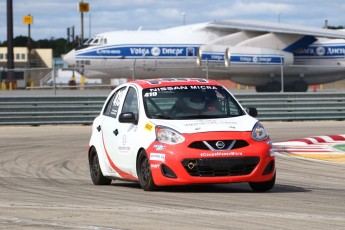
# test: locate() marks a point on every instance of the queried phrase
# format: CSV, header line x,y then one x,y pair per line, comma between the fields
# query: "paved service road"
x,y
44,184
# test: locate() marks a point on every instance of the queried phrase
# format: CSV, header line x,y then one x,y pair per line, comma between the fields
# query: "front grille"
x,y
212,145
215,167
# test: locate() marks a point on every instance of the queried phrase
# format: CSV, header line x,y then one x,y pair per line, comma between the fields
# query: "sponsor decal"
x,y
221,154
155,166
155,51
322,51
124,148
257,59
124,140
109,52
150,94
148,126
246,59
213,57
168,88
159,147
147,51
336,51
160,81
157,157
210,122
173,51
114,167
139,51
203,87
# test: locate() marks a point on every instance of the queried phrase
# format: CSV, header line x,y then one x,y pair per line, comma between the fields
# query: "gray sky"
x,y
51,18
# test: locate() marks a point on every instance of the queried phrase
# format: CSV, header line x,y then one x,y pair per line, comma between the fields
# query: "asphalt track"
x,y
45,184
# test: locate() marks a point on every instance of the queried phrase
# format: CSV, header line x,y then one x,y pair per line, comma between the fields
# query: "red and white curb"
x,y
319,147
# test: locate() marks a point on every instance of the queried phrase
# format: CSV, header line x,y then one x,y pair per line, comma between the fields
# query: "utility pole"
x,y
10,55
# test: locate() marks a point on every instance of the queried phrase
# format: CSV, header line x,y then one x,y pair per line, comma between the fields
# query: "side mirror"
x,y
252,111
128,117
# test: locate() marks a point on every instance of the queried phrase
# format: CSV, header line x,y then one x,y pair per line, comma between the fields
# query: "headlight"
x,y
259,133
168,136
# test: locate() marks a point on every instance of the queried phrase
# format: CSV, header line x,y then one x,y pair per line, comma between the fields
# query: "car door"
x,y
119,136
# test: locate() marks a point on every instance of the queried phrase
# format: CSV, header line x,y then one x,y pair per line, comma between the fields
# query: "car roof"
x,y
163,82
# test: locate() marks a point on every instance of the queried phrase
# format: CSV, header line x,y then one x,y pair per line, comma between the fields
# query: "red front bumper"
x,y
181,164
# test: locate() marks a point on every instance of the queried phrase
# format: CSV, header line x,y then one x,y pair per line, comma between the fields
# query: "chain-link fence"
x,y
237,78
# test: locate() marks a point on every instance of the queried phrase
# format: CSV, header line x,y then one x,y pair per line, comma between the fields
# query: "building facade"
x,y
29,68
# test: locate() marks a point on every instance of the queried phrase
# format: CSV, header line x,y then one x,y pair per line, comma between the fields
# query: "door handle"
x,y
99,128
116,132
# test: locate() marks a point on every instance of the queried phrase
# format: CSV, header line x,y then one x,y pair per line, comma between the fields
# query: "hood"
x,y
237,124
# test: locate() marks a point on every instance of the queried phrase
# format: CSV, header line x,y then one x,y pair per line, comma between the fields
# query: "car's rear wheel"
x,y
95,170
144,172
263,186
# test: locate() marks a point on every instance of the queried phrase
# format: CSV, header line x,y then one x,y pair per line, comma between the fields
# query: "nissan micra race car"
x,y
164,132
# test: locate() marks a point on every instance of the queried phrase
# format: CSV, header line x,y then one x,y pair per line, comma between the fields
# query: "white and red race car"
x,y
164,132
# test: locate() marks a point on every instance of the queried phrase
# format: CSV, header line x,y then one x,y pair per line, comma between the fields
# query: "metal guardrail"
x,y
39,110
296,106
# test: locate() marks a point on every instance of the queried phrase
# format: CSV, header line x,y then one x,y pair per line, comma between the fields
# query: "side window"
x,y
113,105
131,102
234,109
226,104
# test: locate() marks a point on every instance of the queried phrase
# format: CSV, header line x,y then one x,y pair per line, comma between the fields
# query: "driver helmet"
x,y
195,102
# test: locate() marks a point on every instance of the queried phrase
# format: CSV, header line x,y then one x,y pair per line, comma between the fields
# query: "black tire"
x,y
144,172
95,170
263,186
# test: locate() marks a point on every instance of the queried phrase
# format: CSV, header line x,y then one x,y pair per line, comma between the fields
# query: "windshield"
x,y
190,102
97,40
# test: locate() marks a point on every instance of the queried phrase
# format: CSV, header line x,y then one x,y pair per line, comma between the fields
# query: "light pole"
x,y
28,20
89,25
83,7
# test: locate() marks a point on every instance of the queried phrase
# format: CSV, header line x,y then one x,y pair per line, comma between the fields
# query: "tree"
x,y
335,27
59,45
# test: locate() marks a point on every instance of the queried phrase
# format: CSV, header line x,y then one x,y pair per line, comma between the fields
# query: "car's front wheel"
x,y
263,186
95,169
144,172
